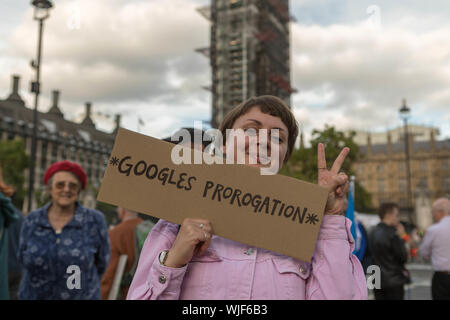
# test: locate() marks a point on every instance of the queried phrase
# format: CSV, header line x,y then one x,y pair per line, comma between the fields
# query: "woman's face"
x,y
254,149
64,189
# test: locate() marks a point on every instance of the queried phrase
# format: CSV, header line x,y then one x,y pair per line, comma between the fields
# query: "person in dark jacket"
x,y
14,266
389,253
8,215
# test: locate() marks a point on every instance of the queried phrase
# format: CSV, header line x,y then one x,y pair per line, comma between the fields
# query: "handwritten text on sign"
x,y
277,213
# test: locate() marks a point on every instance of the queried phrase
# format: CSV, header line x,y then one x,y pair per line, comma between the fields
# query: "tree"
x,y
303,162
14,161
110,212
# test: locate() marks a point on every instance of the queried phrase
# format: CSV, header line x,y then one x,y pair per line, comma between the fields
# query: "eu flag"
x,y
350,214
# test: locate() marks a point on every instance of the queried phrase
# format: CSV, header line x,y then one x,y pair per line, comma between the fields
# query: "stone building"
x,y
57,139
420,133
381,170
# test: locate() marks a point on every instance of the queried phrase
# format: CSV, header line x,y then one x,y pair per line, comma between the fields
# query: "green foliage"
x,y
42,196
303,162
363,200
14,161
109,211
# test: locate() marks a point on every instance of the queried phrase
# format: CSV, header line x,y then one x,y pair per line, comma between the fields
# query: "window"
x,y
360,169
81,158
54,152
445,164
72,153
64,152
44,147
97,166
423,165
403,202
402,185
380,168
381,186
423,183
446,184
89,165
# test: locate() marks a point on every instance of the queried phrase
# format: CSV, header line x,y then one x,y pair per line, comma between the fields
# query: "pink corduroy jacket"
x,y
230,270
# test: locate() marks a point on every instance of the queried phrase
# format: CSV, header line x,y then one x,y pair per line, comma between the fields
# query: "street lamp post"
x,y
405,112
41,12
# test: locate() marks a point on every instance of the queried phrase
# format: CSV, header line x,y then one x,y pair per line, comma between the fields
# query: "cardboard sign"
x,y
273,212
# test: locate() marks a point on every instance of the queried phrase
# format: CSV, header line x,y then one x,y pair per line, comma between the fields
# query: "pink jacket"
x,y
229,270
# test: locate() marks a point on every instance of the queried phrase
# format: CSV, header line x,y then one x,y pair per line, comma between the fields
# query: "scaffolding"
x,y
249,52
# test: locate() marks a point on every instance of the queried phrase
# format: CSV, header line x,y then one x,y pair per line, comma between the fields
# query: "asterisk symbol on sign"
x,y
311,218
114,161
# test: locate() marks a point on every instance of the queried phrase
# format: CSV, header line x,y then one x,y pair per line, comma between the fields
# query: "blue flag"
x,y
350,214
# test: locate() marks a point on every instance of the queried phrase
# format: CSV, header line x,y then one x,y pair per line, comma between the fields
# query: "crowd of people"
x,y
66,251
390,247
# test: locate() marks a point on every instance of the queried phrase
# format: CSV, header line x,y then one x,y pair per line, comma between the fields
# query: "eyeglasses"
x,y
60,185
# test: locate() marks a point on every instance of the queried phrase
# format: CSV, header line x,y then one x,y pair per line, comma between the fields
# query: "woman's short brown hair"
x,y
269,105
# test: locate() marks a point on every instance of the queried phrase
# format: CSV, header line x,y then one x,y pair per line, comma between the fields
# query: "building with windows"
x,y
249,52
57,139
381,170
420,133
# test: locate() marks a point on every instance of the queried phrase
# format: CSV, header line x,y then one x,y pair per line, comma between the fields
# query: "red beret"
x,y
69,166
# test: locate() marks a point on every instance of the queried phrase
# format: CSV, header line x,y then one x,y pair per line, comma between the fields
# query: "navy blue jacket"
x,y
53,261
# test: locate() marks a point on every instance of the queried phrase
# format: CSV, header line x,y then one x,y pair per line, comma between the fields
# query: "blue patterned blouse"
x,y
68,265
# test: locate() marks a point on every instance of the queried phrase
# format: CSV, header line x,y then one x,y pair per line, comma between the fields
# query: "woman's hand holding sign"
x,y
336,182
194,237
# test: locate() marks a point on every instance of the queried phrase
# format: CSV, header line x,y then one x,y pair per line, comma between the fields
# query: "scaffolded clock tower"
x,y
249,52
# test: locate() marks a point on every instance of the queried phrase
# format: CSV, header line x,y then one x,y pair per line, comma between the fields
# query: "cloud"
x,y
136,57
356,75
121,55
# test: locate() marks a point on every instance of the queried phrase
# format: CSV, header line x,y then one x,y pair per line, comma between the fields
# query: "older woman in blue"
x,y
64,247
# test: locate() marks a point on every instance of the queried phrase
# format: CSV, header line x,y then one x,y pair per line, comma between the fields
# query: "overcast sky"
x,y
352,61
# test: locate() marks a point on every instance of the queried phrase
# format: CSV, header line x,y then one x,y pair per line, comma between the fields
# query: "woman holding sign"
x,y
191,263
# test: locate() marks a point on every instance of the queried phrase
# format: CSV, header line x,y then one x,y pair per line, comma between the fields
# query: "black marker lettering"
x,y
149,169
265,203
290,214
129,166
208,185
219,188
258,202
225,195
236,193
163,175
300,217
189,183
277,202
136,168
281,209
171,176
179,186
244,197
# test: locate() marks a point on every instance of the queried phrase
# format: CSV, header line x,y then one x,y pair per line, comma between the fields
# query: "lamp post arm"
x,y
408,173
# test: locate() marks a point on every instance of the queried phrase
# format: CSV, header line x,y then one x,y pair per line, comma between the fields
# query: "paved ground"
x,y
420,288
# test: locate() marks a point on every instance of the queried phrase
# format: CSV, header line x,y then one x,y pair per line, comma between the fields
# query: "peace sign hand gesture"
x,y
336,182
